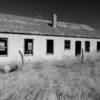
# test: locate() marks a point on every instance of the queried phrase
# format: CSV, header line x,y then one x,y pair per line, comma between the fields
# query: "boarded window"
x,y
98,46
67,44
3,46
28,46
50,47
87,46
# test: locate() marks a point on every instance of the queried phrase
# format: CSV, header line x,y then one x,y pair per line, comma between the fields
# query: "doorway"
x,y
77,48
50,46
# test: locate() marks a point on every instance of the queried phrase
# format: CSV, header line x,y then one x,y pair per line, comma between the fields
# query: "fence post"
x,y
21,57
82,59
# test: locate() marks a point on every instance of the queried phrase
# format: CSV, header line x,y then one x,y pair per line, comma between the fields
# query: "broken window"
x,y
50,47
67,44
3,46
98,46
87,46
28,46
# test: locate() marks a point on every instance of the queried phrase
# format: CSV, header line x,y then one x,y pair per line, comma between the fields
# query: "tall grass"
x,y
53,81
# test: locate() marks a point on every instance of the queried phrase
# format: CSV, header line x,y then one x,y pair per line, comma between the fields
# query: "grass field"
x,y
55,80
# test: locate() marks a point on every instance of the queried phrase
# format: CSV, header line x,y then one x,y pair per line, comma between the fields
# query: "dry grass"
x,y
52,81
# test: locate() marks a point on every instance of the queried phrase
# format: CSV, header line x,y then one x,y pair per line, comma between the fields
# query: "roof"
x,y
19,24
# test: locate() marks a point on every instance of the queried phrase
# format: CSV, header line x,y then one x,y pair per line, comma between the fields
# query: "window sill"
x,y
67,49
87,51
50,54
3,55
28,54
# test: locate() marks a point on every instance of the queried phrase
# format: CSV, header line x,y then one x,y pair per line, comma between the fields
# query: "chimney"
x,y
54,21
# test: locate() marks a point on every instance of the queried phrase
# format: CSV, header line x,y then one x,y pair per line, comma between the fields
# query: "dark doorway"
x,y
98,46
77,48
50,47
87,46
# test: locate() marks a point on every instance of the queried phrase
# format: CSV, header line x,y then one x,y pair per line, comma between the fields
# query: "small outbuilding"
x,y
26,39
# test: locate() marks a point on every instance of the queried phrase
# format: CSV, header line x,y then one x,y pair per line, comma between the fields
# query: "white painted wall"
x,y
16,43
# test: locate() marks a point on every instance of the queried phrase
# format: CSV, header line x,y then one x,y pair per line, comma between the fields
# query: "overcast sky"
x,y
74,11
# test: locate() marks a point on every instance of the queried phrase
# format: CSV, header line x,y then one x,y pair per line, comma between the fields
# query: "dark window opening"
x,y
50,47
87,46
77,48
67,44
3,46
98,46
28,46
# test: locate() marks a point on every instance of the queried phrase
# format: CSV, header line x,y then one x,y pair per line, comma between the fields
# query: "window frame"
x,y
87,49
98,48
4,38
28,39
68,45
50,52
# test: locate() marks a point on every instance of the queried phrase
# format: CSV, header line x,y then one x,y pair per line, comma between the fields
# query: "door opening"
x,y
77,48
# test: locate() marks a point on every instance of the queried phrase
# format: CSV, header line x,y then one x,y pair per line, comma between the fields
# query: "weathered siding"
x,y
16,43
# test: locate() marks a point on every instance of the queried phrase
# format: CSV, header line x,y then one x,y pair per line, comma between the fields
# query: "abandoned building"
x,y
23,38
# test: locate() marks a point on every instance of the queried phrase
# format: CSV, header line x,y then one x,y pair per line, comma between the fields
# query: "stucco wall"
x,y
16,43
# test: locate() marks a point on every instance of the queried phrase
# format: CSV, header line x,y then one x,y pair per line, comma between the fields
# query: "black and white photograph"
x,y
49,50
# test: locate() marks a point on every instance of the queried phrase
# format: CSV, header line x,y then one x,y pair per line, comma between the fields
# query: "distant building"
x,y
23,38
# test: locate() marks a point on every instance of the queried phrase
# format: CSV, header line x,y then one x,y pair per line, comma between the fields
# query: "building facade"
x,y
25,40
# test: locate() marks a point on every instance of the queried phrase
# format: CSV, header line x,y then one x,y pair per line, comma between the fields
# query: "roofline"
x,y
22,33
59,23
